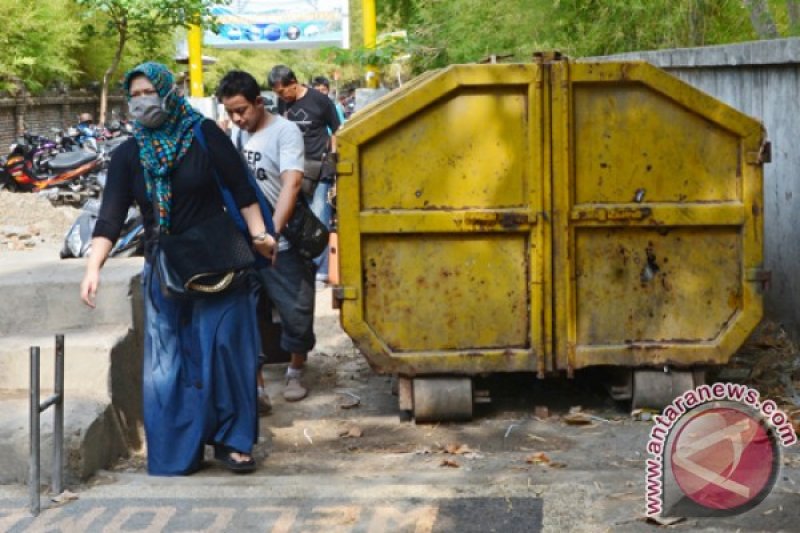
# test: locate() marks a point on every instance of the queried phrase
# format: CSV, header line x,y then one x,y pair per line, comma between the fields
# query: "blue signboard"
x,y
280,24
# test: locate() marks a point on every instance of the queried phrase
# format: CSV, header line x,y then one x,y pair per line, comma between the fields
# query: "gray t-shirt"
x,y
269,152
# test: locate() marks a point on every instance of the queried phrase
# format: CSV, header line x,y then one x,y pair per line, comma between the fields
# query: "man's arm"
x,y
291,157
332,121
290,188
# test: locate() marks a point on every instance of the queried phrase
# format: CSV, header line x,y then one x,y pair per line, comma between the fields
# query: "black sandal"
x,y
223,455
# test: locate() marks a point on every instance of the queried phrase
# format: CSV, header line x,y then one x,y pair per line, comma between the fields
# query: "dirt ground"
x,y
28,220
347,436
590,475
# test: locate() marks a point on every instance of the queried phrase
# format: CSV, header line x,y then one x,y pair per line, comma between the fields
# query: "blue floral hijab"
x,y
162,148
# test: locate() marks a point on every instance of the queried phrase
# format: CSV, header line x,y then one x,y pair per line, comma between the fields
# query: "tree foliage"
x,y
466,31
39,44
142,21
81,41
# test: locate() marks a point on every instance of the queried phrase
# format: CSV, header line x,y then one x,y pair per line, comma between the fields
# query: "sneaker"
x,y
264,404
294,390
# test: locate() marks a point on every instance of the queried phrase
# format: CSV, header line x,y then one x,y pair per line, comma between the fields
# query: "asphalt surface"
x,y
333,464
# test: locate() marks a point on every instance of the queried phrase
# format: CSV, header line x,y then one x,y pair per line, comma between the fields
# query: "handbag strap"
x,y
227,196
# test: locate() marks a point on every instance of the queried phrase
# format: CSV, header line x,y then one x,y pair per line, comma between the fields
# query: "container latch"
x,y
341,292
759,275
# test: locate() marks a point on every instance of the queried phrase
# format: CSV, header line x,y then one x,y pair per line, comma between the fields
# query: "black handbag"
x,y
304,231
209,258
312,171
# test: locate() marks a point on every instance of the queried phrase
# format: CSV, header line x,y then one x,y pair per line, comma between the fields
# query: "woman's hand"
x,y
91,280
101,247
268,247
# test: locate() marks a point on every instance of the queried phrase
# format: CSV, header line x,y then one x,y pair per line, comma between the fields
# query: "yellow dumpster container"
x,y
548,217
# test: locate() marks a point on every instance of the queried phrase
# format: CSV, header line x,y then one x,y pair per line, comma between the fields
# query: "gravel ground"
x,y
28,220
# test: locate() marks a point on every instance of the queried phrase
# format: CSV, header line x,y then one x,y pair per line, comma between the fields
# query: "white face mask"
x,y
149,110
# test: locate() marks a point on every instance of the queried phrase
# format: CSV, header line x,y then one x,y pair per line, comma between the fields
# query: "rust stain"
x,y
513,220
734,299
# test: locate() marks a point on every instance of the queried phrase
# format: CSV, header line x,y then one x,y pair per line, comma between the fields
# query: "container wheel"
x,y
656,389
442,399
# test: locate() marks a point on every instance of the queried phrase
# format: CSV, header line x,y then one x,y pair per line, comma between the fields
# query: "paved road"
x,y
314,475
329,469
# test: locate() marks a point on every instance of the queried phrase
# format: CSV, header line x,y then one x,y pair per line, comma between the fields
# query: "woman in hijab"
x,y
200,356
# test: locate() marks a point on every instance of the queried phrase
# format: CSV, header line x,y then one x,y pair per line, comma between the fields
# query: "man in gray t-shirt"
x,y
274,150
270,151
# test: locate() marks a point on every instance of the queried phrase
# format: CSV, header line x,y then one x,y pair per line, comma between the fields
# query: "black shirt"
x,y
314,114
195,194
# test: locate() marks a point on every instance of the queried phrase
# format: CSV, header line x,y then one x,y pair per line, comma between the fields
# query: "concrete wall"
x,y
761,79
39,114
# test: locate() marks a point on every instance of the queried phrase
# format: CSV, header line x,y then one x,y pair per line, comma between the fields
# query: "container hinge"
x,y
759,275
764,155
341,293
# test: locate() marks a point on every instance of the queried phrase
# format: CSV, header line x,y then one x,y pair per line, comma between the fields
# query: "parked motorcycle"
x,y
6,181
64,177
78,240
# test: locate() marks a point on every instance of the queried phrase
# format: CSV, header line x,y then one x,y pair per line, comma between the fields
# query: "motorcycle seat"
x,y
69,160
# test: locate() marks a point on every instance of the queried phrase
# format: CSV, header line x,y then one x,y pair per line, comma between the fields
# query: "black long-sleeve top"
x,y
195,194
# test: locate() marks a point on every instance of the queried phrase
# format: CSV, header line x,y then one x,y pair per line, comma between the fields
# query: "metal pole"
x,y
58,419
196,60
370,39
33,463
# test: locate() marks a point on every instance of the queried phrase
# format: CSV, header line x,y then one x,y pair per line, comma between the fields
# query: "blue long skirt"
x,y
199,376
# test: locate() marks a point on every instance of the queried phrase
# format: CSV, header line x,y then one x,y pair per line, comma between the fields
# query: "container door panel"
x,y
657,225
441,261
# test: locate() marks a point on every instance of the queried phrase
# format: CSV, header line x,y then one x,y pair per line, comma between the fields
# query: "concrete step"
x,y
94,438
102,361
87,360
41,293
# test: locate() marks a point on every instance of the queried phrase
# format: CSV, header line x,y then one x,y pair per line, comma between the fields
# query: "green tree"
x,y
761,17
469,30
600,27
143,21
39,43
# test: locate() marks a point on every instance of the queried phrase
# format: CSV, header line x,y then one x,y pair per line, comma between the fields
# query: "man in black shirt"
x,y
315,114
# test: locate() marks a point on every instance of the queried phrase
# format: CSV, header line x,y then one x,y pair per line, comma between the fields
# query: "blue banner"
x,y
280,24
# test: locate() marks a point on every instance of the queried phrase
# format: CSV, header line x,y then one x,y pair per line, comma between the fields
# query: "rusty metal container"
x,y
548,217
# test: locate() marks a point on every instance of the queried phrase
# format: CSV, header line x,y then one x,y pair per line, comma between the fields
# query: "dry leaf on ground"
x,y
577,419
538,458
664,520
354,432
449,463
64,497
349,401
458,449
